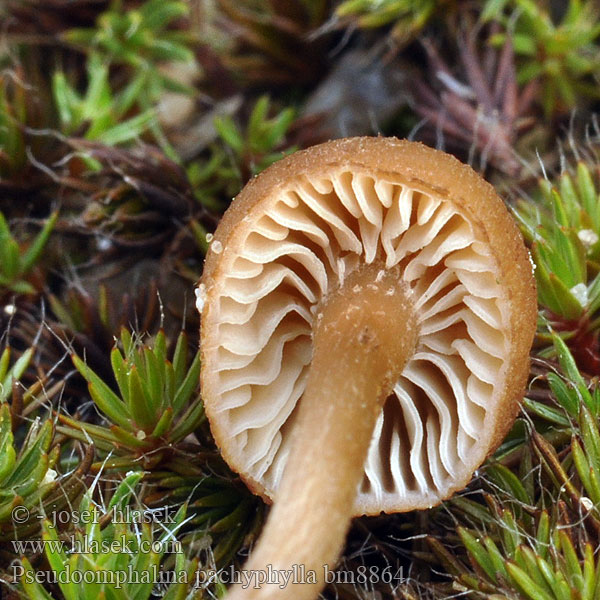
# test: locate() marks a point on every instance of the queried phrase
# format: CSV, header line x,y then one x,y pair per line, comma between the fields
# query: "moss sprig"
x,y
562,225
18,260
562,52
113,557
406,18
30,476
156,403
100,113
140,37
243,151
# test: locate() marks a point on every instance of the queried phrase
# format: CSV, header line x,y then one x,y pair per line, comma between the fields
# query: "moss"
x,y
106,210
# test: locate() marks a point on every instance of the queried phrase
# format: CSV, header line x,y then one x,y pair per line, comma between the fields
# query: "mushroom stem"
x,y
366,331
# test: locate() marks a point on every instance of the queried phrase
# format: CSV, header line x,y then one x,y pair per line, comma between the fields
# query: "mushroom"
x,y
368,306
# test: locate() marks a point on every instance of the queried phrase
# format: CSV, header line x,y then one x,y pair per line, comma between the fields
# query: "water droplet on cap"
x,y
200,297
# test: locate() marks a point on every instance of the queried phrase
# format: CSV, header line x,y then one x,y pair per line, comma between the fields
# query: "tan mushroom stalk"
x,y
367,311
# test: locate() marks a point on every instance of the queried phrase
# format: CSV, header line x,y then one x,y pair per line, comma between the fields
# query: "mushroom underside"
x,y
431,433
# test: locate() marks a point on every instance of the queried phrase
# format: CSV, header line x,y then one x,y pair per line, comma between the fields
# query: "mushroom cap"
x,y
292,235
